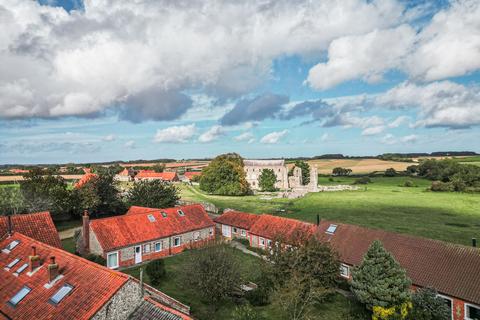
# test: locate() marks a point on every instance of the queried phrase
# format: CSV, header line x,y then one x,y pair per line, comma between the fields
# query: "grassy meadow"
x,y
385,204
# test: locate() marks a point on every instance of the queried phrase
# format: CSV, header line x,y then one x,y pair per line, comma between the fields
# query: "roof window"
x,y
11,246
61,293
164,214
331,229
151,218
180,213
22,268
13,263
19,296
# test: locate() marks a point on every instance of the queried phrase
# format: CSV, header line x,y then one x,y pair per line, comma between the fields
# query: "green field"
x,y
172,285
383,204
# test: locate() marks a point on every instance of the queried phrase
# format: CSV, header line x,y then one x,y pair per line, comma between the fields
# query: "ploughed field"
x,y
384,204
358,166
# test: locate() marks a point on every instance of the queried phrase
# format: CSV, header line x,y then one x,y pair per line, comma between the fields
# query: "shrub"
x,y
330,179
246,313
339,171
363,180
390,172
408,184
439,186
427,305
267,180
96,258
156,271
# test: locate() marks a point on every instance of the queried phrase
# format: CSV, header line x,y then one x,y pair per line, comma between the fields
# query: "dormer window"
x,y
180,213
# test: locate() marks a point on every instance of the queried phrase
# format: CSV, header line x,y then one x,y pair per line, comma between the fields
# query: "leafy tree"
x,y
156,271
305,171
413,169
380,280
246,312
213,272
45,192
153,194
159,167
427,305
267,180
390,172
225,176
339,171
11,201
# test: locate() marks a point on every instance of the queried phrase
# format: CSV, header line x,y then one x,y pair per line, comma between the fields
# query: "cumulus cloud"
x,y
258,108
175,134
141,57
130,144
212,134
373,130
412,138
109,138
246,136
273,137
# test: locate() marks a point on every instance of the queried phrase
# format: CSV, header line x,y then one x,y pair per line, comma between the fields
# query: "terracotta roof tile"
x,y
93,285
135,226
85,178
270,227
165,176
190,174
35,225
238,219
150,309
452,269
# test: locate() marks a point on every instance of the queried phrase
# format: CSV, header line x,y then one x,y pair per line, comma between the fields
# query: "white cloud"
x,y
412,138
109,138
388,139
130,144
244,136
325,137
212,134
175,134
398,121
143,55
273,137
373,130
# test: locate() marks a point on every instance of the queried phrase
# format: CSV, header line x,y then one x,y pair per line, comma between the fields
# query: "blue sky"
x,y
109,80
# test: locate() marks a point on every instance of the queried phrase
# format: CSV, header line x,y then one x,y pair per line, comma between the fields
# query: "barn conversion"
x,y
451,269
145,233
152,175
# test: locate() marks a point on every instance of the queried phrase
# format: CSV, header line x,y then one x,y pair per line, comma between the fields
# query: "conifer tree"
x,y
380,280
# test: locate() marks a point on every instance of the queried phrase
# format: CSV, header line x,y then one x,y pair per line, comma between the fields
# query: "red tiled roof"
x,y
93,285
124,172
35,225
190,174
270,227
165,176
150,309
135,227
238,219
451,269
85,178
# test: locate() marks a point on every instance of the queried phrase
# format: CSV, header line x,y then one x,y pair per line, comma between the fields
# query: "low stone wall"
x,y
340,187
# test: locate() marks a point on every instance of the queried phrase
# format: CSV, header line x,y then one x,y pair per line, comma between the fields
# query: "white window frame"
x,y
179,242
155,246
347,267
196,236
234,230
451,301
243,232
469,305
269,242
261,241
117,260
146,248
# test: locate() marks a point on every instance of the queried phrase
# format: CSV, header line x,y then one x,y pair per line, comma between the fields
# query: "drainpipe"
x,y
474,242
170,246
141,283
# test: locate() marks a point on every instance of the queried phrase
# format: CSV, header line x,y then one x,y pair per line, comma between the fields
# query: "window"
x,y
262,241
244,233
344,271
151,218
11,245
23,267
158,246
164,214
146,248
210,231
472,312
235,230
112,260
196,235
13,263
332,228
61,293
177,241
269,243
19,296
449,303
180,213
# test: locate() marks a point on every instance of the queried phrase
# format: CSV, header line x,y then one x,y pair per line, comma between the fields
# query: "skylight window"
x,y
19,296
13,263
11,246
151,218
22,268
164,214
332,228
61,293
180,213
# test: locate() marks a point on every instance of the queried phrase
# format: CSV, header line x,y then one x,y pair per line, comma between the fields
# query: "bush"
x,y
339,171
246,313
439,186
408,184
243,241
427,305
330,179
363,180
156,271
97,259
390,172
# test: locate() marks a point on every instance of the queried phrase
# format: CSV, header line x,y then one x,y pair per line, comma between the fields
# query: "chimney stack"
x,y
86,232
318,219
9,225
52,269
34,259
474,242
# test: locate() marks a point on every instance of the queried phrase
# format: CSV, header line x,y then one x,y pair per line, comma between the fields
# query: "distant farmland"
x,y
358,166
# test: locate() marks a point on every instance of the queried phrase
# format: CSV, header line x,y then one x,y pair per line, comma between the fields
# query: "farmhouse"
x,y
38,226
236,224
125,175
39,281
189,175
451,269
144,234
152,175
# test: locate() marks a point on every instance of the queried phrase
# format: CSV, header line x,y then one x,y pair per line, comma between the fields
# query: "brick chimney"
x,y
86,232
9,225
52,269
34,259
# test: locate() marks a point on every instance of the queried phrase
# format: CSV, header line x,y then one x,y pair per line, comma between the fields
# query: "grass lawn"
x,y
69,245
64,225
172,285
383,204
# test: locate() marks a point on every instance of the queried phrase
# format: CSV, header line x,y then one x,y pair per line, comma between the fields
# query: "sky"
x,y
102,80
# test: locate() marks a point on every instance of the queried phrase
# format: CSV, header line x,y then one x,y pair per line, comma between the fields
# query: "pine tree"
x,y
380,280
